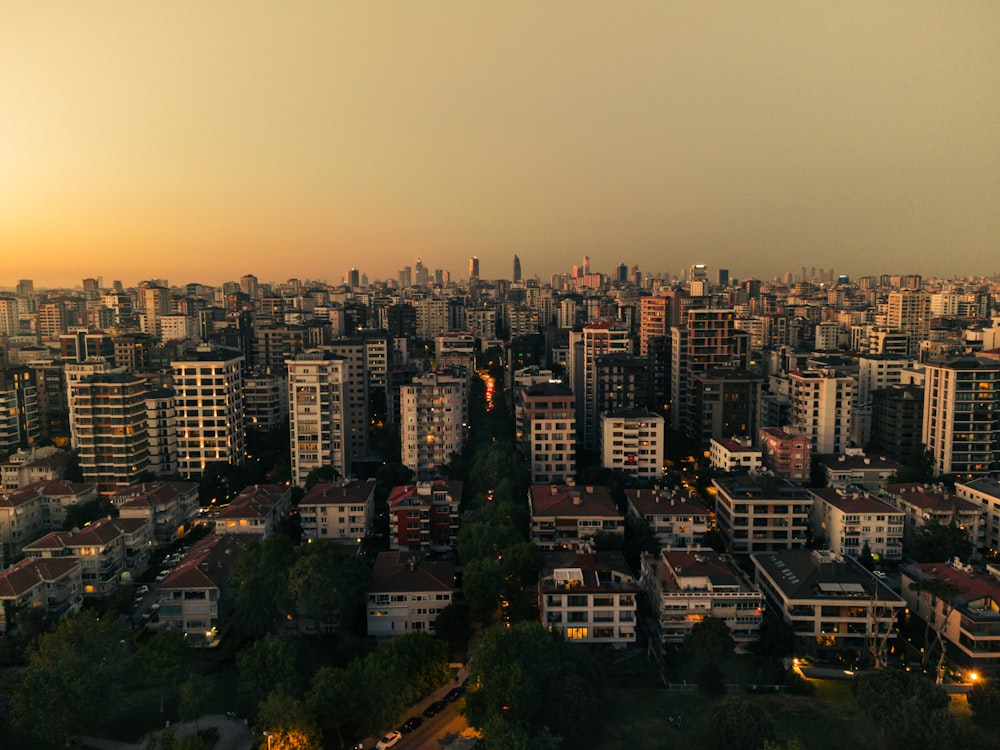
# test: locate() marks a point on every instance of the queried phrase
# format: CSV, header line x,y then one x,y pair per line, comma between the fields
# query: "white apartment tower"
x,y
318,413
585,347
433,412
910,311
821,408
210,417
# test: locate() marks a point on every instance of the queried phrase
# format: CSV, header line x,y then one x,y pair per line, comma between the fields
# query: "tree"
x,y
452,625
393,475
321,474
267,666
866,558
911,713
984,700
710,641
78,516
940,596
289,724
164,661
738,724
325,582
482,581
194,694
711,680
776,639
262,595
336,700
72,681
935,542
920,468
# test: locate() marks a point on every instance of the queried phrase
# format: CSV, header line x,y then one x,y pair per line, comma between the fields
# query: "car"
x,y
435,708
880,573
144,589
162,575
410,724
390,739
454,694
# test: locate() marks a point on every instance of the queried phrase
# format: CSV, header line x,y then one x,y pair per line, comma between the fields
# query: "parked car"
x,y
390,739
454,694
410,724
144,589
434,709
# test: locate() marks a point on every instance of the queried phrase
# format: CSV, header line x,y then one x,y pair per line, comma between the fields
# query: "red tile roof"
x,y
556,500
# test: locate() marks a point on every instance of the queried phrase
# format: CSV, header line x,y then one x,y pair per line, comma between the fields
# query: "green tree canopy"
x,y
262,597
911,712
738,724
710,641
936,542
72,681
164,661
289,722
319,475
326,581
266,666
78,516
984,700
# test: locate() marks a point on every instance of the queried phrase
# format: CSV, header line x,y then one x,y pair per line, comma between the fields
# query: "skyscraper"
x,y
517,270
473,268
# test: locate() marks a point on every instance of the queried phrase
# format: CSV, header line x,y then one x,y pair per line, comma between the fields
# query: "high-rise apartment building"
x,y
433,414
161,426
76,372
517,270
961,426
910,311
586,346
210,417
473,268
548,432
19,409
821,406
111,426
319,413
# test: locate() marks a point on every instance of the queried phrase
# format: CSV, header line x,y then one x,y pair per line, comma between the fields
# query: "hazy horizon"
x,y
200,142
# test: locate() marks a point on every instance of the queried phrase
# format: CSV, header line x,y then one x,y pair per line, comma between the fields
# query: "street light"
x,y
269,735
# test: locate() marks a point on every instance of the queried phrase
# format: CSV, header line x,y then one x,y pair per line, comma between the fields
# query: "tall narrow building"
x,y
517,270
585,347
210,417
433,412
112,428
319,413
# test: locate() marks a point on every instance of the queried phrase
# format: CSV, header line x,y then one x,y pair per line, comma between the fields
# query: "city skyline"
x,y
196,142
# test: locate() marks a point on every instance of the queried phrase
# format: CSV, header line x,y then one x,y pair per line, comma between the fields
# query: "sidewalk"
x,y
233,735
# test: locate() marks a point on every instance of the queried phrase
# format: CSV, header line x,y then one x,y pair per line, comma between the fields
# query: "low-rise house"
x,y
192,597
788,456
53,584
257,511
111,551
984,492
848,520
35,509
170,507
423,517
734,456
761,514
677,517
684,588
407,593
589,597
567,516
855,468
922,504
836,608
24,467
971,618
341,512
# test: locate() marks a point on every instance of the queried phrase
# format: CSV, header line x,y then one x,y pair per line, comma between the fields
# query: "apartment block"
x,y
257,511
53,585
318,413
424,517
35,509
567,516
407,594
433,415
169,507
761,514
788,455
340,512
984,492
735,456
678,519
821,408
548,431
632,441
922,504
850,520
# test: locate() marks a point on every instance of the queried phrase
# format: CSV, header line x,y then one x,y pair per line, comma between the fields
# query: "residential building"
x,y
20,425
984,492
922,504
836,608
788,455
969,619
761,514
168,507
193,597
433,415
24,467
265,399
318,413
589,597
622,382
877,372
567,516
685,587
53,585
677,517
851,520
257,511
909,310
424,517
548,431
75,373
111,428
854,468
110,551
585,346
161,428
897,422
632,441
724,402
735,456
340,512
210,417
821,408
30,511
961,426
407,594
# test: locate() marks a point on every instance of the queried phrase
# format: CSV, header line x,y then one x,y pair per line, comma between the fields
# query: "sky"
x,y
199,142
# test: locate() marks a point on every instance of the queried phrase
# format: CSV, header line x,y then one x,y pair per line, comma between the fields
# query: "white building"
x,y
984,492
407,594
677,518
547,431
341,512
850,520
210,419
821,408
761,514
632,441
433,415
733,456
585,347
589,597
564,517
318,413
